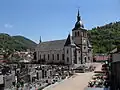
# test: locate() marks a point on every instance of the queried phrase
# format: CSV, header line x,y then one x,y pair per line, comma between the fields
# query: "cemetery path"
x,y
78,82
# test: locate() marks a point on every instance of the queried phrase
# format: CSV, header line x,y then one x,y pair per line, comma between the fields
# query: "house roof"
x,y
52,45
114,50
101,57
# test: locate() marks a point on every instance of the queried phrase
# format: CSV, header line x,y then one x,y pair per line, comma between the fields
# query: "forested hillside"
x,y
105,38
15,42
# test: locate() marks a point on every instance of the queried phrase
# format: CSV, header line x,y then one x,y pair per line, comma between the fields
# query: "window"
x,y
53,56
85,59
57,56
48,56
67,59
89,50
62,56
75,34
45,73
78,33
67,51
42,73
44,56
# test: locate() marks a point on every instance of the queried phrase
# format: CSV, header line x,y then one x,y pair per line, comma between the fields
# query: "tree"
x,y
105,38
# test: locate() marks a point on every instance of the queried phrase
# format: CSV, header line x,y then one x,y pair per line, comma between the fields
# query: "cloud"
x,y
8,25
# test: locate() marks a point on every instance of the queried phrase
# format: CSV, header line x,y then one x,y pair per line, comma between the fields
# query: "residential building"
x,y
115,69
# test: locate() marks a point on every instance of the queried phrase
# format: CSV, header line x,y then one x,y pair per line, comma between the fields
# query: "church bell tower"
x,y
79,35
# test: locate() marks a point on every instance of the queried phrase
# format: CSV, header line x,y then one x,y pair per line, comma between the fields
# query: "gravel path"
x,y
78,82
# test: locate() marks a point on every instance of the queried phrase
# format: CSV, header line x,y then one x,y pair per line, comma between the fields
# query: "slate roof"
x,y
52,45
69,41
114,50
56,44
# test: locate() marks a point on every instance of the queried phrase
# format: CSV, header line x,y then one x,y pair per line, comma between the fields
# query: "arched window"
x,y
53,56
67,51
63,56
48,56
67,59
78,33
44,56
85,59
75,34
57,56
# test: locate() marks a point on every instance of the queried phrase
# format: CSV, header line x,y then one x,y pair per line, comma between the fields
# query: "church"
x,y
75,49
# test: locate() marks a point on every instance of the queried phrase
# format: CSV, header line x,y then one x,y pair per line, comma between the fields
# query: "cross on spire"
x,y
78,16
78,11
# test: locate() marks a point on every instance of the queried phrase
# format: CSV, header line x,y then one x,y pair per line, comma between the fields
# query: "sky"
x,y
54,19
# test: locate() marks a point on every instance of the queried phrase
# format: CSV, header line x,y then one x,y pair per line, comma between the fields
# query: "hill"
x,y
16,42
25,42
105,38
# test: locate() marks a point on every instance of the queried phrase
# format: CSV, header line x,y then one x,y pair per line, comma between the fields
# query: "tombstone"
x,y
1,82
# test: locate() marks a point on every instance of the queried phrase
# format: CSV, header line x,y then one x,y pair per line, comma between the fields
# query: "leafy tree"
x,y
17,43
105,38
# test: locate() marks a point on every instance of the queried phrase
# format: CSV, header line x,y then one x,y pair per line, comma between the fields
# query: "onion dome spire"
x,y
79,23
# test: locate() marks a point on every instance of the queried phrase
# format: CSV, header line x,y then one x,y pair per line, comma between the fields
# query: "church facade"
x,y
76,49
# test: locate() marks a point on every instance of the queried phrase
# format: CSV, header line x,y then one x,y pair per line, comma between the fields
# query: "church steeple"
x,y
78,23
40,40
78,16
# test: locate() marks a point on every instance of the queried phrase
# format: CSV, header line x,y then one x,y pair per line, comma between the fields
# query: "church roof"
x,y
56,44
69,41
52,45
